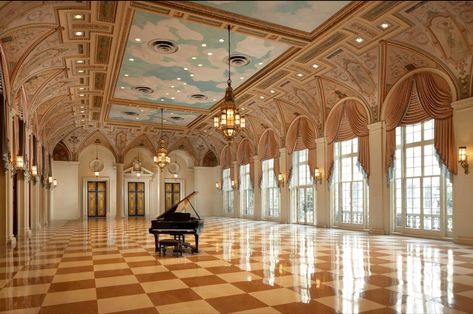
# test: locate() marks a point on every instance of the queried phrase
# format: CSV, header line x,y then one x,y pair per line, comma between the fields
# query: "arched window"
x,y
348,163
268,150
419,138
300,144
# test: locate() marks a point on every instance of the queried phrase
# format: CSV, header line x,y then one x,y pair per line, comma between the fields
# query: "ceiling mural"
x,y
79,68
172,61
150,115
301,15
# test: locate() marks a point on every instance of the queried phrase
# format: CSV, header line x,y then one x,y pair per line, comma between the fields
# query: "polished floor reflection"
x,y
244,266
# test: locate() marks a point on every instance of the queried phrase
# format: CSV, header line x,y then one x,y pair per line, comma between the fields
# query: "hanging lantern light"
x,y
97,161
137,164
162,159
229,121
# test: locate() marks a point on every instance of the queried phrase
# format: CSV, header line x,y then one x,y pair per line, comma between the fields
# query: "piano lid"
x,y
180,206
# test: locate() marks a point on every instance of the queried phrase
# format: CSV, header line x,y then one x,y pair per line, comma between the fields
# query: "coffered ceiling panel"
x,y
301,15
173,61
150,115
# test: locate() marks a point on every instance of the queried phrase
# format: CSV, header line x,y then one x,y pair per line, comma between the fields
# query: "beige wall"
x,y
66,193
209,200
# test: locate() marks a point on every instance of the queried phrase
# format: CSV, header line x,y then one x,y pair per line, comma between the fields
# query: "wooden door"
x,y
136,198
172,194
96,198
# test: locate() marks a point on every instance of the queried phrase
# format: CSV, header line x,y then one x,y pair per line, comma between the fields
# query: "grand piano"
x,y
176,222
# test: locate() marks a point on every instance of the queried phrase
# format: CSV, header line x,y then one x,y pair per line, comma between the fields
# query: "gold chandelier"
x,y
229,122
162,159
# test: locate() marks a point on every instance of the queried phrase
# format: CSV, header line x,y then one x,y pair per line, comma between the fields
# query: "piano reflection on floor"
x,y
178,223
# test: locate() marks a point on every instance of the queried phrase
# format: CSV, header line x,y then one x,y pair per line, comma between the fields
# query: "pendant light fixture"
x,y
229,122
97,161
137,164
162,159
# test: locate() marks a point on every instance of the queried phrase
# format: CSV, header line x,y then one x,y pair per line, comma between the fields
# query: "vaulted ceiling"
x,y
76,70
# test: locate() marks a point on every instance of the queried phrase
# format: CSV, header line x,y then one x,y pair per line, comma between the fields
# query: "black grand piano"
x,y
174,221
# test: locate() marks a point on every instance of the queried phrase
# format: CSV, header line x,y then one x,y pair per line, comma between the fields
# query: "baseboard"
x,y
377,231
464,240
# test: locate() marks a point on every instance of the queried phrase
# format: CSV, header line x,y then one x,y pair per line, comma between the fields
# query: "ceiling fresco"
x,y
150,115
177,62
301,15
65,64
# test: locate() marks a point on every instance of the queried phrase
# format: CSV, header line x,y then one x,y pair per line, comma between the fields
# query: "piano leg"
x,y
156,242
196,237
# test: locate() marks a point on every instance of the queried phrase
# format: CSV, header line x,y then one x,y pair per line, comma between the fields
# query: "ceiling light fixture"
x,y
138,40
384,25
191,75
209,53
204,45
185,69
194,58
199,65
272,91
78,16
229,122
79,61
79,33
80,71
136,168
162,159
221,40
359,40
81,88
315,66
131,59
178,78
97,162
300,74
261,97
126,75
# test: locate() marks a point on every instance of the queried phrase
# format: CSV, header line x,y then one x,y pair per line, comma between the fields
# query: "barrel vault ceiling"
x,y
78,70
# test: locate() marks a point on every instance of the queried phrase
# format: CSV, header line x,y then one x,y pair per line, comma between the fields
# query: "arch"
x,y
103,142
301,133
61,152
268,145
417,96
245,151
226,157
140,139
209,160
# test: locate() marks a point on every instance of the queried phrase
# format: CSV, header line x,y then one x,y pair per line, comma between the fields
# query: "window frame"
x,y
270,193
300,160
227,190
247,204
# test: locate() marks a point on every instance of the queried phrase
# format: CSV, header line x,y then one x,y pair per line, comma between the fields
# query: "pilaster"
x,y
285,202
323,192
236,190
258,212
119,193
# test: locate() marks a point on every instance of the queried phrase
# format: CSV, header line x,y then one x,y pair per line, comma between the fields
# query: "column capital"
x,y
377,126
255,158
462,104
320,140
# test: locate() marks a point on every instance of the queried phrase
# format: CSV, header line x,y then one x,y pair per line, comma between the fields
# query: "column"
x,y
3,207
119,202
9,206
236,190
462,183
285,201
379,209
258,212
323,191
21,202
35,204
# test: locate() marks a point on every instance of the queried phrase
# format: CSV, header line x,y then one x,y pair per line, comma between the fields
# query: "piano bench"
x,y
169,242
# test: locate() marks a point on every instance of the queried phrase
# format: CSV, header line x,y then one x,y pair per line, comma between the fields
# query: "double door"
x,y
304,205
97,198
136,198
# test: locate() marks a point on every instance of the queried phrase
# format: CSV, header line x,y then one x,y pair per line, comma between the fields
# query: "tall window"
x,y
422,193
227,191
246,191
302,188
349,188
269,190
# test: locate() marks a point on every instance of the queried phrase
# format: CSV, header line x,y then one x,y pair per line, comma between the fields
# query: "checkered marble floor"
x,y
243,266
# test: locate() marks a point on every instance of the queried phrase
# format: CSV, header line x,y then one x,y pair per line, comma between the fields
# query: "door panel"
x,y
172,194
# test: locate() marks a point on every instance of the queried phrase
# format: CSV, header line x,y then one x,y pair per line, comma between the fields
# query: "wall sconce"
x,y
317,175
54,182
50,180
34,171
281,179
96,173
463,158
234,184
217,185
19,162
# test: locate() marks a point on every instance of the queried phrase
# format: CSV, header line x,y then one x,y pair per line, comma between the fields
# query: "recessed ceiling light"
x,y
191,75
199,65
315,66
79,61
300,74
178,91
384,25
221,40
142,110
185,83
261,63
173,98
214,99
204,45
167,94
122,87
131,59
79,33
82,120
242,78
81,107
162,99
242,108
81,95
209,53
272,91
185,69
138,39
359,40
261,97
82,111
125,75
178,78
81,88
80,71
172,86
78,16
193,58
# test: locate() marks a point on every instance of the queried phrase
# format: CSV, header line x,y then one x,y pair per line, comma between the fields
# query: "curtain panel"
x,y
268,148
420,97
301,135
244,154
347,121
